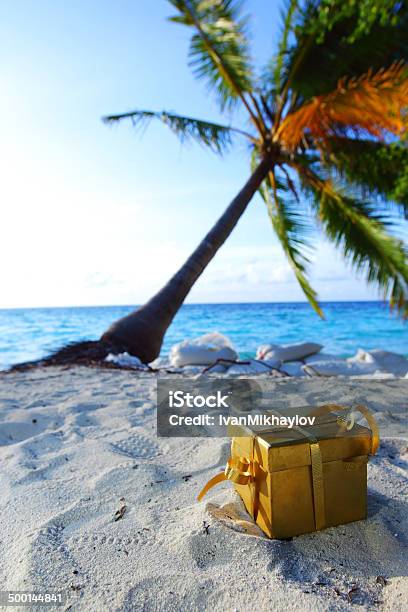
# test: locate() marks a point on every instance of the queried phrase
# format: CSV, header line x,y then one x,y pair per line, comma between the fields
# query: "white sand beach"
x,y
78,444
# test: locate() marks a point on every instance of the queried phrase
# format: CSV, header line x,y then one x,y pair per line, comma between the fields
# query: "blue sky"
x,y
101,215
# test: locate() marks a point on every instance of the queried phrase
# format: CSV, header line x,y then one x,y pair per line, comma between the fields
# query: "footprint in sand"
x,y
181,594
13,432
136,446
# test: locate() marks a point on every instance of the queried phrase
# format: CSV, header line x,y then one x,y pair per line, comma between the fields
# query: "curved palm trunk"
x,y
141,332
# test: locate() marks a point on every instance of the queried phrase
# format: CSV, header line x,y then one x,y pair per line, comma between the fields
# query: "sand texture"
x,y
78,449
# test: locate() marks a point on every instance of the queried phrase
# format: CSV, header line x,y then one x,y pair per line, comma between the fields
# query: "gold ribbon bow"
x,y
238,470
343,423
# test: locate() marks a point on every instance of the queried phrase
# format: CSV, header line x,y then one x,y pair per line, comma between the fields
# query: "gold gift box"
x,y
303,479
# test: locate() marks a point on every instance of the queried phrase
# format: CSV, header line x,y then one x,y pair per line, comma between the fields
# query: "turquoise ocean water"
x,y
27,334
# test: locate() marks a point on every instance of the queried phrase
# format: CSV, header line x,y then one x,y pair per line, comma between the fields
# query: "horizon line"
x,y
262,302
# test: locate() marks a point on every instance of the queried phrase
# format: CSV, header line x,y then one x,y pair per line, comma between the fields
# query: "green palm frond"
x,y
355,227
365,13
291,228
213,135
377,168
278,62
322,52
219,48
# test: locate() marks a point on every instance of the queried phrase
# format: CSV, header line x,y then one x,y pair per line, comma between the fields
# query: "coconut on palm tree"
x,y
325,127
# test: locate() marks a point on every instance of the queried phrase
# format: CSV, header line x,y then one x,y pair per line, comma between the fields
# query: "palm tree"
x,y
325,128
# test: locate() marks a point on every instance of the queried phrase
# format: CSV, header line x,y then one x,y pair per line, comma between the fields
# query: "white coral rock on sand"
x,y
339,368
374,363
293,368
288,352
204,351
126,360
322,357
385,361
